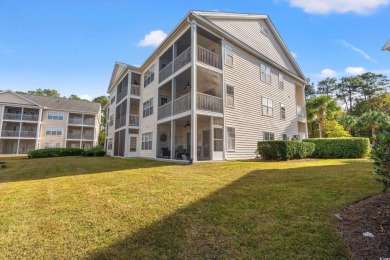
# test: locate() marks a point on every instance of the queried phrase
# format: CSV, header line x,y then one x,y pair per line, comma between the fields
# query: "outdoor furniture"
x,y
166,154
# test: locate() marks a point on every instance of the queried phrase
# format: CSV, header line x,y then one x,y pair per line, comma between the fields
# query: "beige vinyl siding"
x,y
246,115
57,123
1,112
248,31
149,123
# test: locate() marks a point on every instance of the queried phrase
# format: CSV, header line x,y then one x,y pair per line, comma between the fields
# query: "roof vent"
x,y
264,31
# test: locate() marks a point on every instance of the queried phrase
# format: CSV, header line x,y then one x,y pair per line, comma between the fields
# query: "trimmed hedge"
x,y
349,147
54,152
284,150
94,151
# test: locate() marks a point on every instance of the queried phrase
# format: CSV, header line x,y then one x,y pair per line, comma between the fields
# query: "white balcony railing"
x,y
183,59
75,121
210,58
165,72
9,133
301,111
165,110
30,117
209,103
134,90
11,116
133,120
74,135
31,134
182,104
88,136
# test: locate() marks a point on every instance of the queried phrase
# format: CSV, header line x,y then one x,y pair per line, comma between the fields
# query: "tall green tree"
x,y
379,103
310,90
348,122
348,89
372,84
373,120
321,108
327,86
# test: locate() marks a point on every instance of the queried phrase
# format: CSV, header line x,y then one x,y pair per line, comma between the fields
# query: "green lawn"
x,y
114,208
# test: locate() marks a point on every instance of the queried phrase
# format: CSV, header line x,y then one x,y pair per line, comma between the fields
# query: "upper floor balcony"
x,y
81,119
20,114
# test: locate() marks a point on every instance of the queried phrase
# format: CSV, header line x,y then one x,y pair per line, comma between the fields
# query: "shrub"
x,y
284,150
95,151
381,155
350,147
54,152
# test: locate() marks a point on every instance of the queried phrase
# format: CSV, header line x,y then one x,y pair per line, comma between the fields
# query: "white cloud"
x,y
339,6
154,38
361,52
294,54
355,70
328,73
86,96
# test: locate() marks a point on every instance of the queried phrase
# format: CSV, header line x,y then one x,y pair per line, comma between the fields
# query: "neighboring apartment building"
x,y
218,84
30,122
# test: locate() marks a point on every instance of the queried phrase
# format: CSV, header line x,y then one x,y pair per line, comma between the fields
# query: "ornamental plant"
x,y
381,155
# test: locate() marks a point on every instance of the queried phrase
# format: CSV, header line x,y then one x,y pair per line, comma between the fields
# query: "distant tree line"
x,y
103,100
349,106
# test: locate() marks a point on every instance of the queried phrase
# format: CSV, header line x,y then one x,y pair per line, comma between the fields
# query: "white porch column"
x,y
224,135
127,138
193,92
173,136
37,139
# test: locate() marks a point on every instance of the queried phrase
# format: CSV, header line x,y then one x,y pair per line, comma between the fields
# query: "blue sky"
x,y
72,45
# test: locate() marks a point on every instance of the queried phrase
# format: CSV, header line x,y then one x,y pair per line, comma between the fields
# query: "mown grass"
x,y
97,208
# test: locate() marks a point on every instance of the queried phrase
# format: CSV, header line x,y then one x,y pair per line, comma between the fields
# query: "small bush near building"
x,y
381,155
350,147
94,151
54,152
284,150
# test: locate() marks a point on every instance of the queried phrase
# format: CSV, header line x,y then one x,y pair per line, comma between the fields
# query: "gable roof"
x,y
202,17
386,47
11,97
64,104
117,72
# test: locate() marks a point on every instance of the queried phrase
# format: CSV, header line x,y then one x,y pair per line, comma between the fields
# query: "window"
x,y
282,111
231,138
229,95
265,74
112,98
163,100
52,145
228,55
52,130
109,145
267,107
281,81
55,115
147,141
148,108
149,76
285,137
268,136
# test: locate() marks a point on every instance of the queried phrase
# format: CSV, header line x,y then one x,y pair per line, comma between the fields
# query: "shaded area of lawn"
x,y
224,210
266,213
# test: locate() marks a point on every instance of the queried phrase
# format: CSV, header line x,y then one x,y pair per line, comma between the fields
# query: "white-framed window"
x,y
231,138
148,107
267,106
149,76
282,111
53,115
229,95
52,145
268,136
111,122
147,141
53,130
281,81
285,137
109,144
112,98
228,55
265,73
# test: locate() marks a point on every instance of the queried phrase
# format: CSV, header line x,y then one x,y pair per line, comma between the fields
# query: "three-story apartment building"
x,y
29,122
217,84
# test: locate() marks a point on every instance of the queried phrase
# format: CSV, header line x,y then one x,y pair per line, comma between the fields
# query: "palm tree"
x,y
373,120
320,108
348,122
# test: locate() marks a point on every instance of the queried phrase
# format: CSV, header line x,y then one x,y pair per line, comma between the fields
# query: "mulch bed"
x,y
369,215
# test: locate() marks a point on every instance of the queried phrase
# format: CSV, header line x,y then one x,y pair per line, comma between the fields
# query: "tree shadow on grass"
x,y
24,169
265,214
